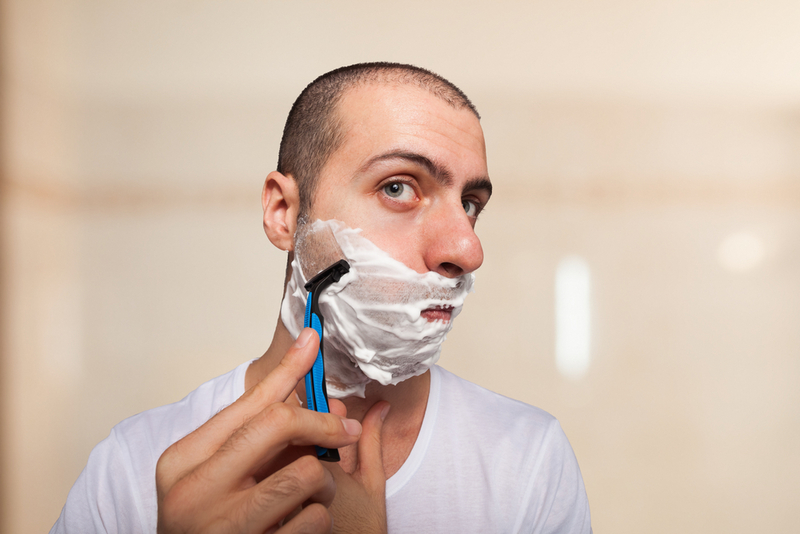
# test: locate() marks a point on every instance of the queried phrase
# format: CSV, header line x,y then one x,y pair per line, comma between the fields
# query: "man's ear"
x,y
281,202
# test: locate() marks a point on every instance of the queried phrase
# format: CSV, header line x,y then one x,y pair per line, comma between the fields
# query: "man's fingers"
x,y
314,519
291,454
370,457
293,367
276,387
336,406
269,433
294,399
303,481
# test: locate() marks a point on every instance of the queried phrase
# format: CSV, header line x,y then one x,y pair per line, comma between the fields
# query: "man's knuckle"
x,y
281,486
176,506
169,458
169,467
298,480
315,518
281,416
164,468
309,471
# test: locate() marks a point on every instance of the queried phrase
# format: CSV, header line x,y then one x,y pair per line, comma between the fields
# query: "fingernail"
x,y
351,426
304,337
385,411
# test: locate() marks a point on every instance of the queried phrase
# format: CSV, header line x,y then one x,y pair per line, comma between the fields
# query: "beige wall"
x,y
639,135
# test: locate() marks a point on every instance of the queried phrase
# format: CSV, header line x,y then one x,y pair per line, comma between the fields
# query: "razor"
x,y
316,390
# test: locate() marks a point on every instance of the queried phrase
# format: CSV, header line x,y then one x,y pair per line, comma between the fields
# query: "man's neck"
x,y
408,401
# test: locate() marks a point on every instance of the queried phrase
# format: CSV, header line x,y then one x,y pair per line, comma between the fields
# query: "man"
x,y
397,153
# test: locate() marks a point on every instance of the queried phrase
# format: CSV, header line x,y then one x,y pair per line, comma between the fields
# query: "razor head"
x,y
328,276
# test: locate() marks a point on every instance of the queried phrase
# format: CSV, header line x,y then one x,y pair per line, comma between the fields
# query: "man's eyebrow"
x,y
479,184
439,173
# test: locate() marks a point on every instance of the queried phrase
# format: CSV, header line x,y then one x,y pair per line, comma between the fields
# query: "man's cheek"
x,y
400,241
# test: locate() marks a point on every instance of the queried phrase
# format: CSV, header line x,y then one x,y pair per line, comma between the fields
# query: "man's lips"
x,y
439,313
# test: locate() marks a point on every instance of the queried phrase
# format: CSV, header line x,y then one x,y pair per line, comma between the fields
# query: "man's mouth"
x,y
438,313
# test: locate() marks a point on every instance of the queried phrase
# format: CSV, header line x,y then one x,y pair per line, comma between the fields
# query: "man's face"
x,y
411,174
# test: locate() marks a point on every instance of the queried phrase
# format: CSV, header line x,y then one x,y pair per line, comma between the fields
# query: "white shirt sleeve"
x,y
116,492
555,494
104,499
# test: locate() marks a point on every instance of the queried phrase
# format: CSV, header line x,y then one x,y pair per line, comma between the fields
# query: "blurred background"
x,y
642,272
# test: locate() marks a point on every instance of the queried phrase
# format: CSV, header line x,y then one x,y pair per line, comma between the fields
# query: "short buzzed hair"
x,y
313,129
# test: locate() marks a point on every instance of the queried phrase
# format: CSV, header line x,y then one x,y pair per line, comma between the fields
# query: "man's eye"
x,y
470,207
397,190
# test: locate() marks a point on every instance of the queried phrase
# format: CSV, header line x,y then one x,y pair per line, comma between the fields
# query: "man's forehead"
x,y
394,99
374,112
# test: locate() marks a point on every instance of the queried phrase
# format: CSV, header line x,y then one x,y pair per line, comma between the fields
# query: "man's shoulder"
x,y
117,486
525,436
164,425
513,457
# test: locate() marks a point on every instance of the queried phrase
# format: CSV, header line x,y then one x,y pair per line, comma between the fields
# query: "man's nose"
x,y
452,247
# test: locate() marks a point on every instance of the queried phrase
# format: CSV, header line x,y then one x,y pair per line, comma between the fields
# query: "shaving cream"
x,y
374,329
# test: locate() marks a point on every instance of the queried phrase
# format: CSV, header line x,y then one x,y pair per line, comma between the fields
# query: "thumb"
x,y
370,453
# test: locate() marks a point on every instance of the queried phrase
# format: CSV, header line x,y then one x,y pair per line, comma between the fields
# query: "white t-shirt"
x,y
481,463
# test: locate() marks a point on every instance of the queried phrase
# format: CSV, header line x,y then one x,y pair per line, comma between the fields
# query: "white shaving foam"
x,y
374,329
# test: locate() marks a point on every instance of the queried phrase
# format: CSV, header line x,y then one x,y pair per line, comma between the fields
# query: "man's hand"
x,y
360,503
241,470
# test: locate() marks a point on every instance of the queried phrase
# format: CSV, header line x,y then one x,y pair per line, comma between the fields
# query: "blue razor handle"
x,y
316,391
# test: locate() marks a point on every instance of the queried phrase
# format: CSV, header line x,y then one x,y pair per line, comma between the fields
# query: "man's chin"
x,y
343,378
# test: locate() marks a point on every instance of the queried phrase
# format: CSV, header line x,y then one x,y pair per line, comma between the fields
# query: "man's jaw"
x,y
438,313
